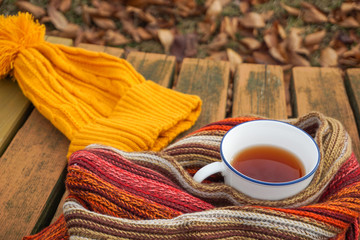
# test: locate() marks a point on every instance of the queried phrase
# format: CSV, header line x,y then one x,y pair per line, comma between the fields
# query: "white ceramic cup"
x,y
264,132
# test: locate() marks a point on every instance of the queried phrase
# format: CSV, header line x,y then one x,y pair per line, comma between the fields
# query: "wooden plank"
x,y
209,80
260,90
31,166
353,89
59,40
323,90
14,109
32,172
156,67
117,52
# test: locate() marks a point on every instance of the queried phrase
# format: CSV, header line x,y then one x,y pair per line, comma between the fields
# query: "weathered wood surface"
x,y
32,167
13,113
30,171
156,67
353,89
209,80
260,90
323,90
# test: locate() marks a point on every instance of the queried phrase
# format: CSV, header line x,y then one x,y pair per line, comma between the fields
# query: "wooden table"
x,y
33,162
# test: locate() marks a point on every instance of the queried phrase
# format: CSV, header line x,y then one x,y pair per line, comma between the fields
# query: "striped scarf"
x,y
151,195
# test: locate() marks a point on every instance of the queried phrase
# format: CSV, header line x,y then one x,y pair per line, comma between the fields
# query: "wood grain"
x,y
209,80
31,177
156,67
259,90
323,90
353,89
15,108
117,52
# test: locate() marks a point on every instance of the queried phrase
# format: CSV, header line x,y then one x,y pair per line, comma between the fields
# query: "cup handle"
x,y
208,170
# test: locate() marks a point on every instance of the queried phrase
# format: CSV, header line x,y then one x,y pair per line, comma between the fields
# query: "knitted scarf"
x,y
151,195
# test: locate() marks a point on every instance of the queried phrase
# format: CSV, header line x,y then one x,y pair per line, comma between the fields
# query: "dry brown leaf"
x,y
291,10
115,38
65,5
234,59
214,10
251,43
229,26
276,54
294,41
328,57
104,23
252,20
130,28
145,35
314,38
347,7
147,17
145,3
57,18
71,30
270,39
206,30
298,60
349,22
219,41
263,58
280,30
166,38
37,11
267,15
311,14
244,6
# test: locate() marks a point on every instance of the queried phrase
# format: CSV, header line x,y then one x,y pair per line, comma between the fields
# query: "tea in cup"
x,y
265,159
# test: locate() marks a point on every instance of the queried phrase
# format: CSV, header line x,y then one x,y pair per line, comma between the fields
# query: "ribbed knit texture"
x,y
92,97
147,195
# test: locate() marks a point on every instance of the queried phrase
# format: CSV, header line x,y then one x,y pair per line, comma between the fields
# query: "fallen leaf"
x,y
349,22
263,58
178,47
251,43
104,23
328,57
218,56
218,42
280,30
276,54
267,15
130,28
229,26
294,41
234,59
347,7
270,39
244,6
147,17
298,60
311,14
115,38
145,3
291,10
37,11
144,35
314,38
166,38
65,5
252,20
214,10
57,18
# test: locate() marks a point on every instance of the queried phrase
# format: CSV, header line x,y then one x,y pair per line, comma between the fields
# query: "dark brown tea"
x,y
268,164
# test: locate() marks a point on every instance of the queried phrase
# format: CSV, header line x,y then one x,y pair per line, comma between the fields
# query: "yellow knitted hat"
x,y
92,97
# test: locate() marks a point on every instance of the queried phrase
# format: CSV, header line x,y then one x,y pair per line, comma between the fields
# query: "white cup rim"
x,y
271,183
